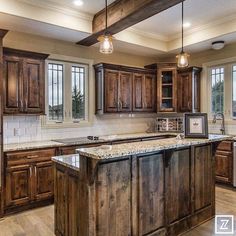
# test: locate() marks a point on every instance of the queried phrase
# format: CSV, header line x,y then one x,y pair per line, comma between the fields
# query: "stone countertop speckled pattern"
x,y
120,150
71,161
30,145
79,141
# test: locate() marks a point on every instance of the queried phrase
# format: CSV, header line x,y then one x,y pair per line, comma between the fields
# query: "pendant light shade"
x,y
106,45
182,58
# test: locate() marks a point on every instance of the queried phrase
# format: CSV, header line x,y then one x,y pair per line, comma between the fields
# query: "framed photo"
x,y
195,125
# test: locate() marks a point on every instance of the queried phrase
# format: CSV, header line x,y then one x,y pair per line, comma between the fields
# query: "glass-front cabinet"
x,y
167,89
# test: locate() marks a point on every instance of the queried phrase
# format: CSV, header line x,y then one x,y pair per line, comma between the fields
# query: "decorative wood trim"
x,y
123,14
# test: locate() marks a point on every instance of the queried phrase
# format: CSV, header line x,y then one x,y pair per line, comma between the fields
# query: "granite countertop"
x,y
30,145
77,141
71,161
120,150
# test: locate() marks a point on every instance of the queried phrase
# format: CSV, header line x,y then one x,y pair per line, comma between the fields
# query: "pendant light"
x,y
182,58
105,40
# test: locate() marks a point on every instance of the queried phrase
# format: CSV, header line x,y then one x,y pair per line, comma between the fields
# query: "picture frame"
x,y
195,125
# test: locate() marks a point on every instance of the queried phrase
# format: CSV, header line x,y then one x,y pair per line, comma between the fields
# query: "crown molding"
x,y
148,34
59,8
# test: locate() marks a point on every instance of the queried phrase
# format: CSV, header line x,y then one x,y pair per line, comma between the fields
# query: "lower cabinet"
x,y
224,162
66,201
28,179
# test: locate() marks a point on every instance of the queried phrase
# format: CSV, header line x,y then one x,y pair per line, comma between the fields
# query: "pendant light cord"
x,y
106,16
183,26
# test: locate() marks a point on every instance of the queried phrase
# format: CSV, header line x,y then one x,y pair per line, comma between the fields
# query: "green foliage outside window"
x,y
218,97
78,104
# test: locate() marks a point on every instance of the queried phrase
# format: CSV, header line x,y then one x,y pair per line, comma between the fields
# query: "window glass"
x,y
55,91
78,92
217,90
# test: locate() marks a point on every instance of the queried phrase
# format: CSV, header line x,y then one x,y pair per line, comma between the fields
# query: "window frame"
x,y
210,85
68,121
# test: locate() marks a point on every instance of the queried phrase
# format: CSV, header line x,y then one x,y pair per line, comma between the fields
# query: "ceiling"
x,y
198,12
157,36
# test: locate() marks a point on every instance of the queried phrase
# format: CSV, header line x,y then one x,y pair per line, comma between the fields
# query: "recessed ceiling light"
x,y
187,24
217,45
78,2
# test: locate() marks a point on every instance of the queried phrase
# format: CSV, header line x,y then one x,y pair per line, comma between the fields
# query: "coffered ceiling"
x,y
158,35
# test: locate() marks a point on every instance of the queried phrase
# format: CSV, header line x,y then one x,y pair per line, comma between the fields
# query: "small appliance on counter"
x,y
169,124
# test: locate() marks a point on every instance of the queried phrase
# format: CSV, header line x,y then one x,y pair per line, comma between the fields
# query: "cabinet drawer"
x,y
225,146
24,157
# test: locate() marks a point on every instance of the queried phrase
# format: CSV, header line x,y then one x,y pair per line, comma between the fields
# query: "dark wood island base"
x,y
160,193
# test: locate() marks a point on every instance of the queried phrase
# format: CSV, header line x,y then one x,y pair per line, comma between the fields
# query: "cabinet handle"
x,y
26,105
121,104
35,170
21,105
33,156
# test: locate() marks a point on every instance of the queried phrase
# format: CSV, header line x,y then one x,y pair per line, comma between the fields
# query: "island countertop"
x,y
126,149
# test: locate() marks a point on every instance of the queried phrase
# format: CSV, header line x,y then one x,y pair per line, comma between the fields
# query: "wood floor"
x,y
39,222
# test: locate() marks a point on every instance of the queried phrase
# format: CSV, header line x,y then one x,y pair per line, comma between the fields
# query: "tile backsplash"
x,y
18,129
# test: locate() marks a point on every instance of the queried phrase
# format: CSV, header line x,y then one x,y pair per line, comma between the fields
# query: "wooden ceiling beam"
x,y
123,14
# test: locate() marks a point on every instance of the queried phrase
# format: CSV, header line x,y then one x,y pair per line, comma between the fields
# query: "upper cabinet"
x,y
167,88
23,82
177,90
189,89
124,89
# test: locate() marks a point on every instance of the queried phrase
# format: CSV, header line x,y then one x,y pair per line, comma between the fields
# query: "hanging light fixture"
x,y
105,40
182,58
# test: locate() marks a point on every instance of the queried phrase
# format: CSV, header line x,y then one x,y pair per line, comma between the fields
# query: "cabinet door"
x,y
125,92
33,86
12,85
167,90
178,185
151,194
223,167
138,92
185,92
149,87
203,177
43,184
111,90
60,202
18,185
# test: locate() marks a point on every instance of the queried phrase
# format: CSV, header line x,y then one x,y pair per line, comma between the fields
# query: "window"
x,y
234,91
67,92
78,92
217,89
55,91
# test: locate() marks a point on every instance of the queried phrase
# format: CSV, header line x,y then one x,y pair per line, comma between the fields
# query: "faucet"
x,y
220,116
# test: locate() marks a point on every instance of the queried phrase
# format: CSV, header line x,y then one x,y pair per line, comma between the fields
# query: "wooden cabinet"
x,y
144,92
167,89
28,178
224,162
23,82
189,89
124,89
66,201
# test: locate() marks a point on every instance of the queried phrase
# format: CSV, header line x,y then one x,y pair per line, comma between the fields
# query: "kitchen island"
x,y
158,187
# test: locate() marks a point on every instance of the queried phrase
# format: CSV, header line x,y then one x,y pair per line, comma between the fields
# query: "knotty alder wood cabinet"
x,y
224,162
177,90
188,99
124,89
28,179
23,82
159,193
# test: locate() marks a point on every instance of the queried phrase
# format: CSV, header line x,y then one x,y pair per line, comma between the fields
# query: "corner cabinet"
x,y
23,82
189,89
124,89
